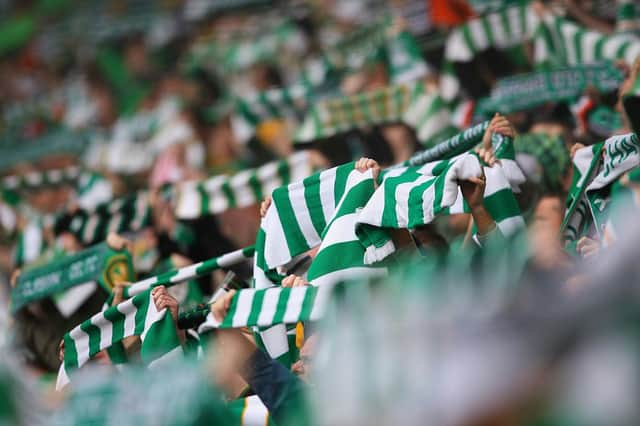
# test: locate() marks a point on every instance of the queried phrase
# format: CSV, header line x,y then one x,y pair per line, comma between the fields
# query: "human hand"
x,y
364,164
587,247
220,307
163,299
473,191
294,281
264,206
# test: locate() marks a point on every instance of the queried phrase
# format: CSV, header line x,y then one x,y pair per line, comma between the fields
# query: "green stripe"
x,y
70,352
256,186
117,323
141,302
314,202
296,242
284,171
342,173
389,215
577,45
599,49
622,50
416,212
307,303
281,308
488,31
204,199
466,33
337,257
94,337
502,205
504,18
228,193
233,307
256,307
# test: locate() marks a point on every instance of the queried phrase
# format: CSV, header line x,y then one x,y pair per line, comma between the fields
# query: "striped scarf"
x,y
414,196
332,116
341,255
190,272
299,215
595,169
38,179
134,317
561,42
431,118
272,306
506,28
219,193
126,214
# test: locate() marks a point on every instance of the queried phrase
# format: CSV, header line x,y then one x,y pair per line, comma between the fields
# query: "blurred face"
x,y
308,349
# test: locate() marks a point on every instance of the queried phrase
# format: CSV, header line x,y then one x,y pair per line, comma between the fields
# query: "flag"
x,y
219,193
134,317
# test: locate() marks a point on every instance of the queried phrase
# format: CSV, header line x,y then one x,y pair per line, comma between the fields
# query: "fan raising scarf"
x,y
219,193
134,317
595,169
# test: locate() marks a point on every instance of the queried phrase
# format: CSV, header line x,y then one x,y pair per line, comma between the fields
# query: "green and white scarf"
x,y
190,272
38,179
249,187
341,255
431,118
299,214
509,27
526,91
333,116
414,196
126,214
134,317
272,306
561,42
595,169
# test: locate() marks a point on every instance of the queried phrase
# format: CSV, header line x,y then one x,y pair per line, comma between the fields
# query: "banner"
x,y
99,264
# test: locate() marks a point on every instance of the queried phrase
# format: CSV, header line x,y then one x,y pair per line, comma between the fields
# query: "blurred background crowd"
x,y
142,123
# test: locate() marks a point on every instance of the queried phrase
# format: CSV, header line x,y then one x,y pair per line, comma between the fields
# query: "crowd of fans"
x,y
140,138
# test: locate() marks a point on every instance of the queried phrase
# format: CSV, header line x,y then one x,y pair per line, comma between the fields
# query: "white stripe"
x,y
243,309
276,251
129,310
268,177
327,195
269,303
480,39
499,34
141,286
153,316
303,216
589,40
294,304
186,273
106,331
239,184
81,342
402,199
217,199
